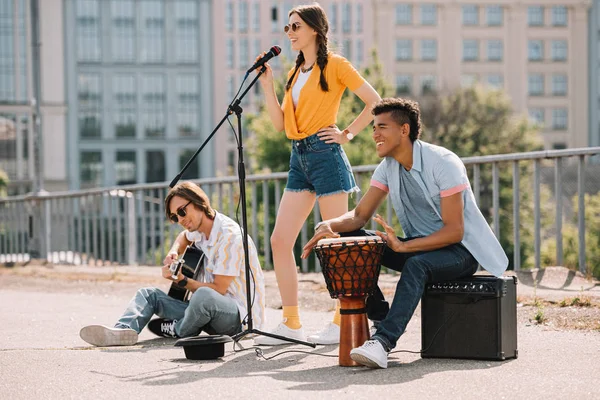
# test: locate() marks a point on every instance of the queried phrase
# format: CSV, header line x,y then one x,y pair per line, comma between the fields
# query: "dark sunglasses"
x,y
295,26
181,212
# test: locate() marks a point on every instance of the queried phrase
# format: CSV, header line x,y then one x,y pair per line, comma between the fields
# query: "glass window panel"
x,y
470,50
428,84
245,61
348,49
403,85
535,15
256,17
126,168
535,50
333,17
125,105
90,106
494,15
470,14
229,16
559,85
153,105
537,115
91,170
559,16
186,31
403,14
496,81
559,50
88,30
188,105
468,80
193,171
123,30
243,15
495,50
403,49
536,84
230,56
346,18
428,14
359,18
153,30
560,119
359,53
155,166
429,50
7,53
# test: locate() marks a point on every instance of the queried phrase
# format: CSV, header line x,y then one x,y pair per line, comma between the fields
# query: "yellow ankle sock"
x,y
337,317
291,317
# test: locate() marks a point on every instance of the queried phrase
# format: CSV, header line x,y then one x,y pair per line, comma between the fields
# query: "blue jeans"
x,y
319,167
418,268
207,311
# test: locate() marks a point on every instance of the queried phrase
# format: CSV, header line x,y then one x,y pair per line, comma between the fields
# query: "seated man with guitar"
x,y
214,244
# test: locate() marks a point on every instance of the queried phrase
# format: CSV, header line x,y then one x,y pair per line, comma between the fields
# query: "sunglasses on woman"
x,y
294,26
180,212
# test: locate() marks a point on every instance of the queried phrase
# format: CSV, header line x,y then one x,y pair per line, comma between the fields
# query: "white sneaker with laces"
x,y
371,353
329,335
102,336
280,330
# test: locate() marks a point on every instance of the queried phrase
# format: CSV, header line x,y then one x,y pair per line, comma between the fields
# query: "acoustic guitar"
x,y
190,264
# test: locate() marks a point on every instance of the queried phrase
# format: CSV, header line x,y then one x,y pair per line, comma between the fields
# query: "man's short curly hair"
x,y
403,111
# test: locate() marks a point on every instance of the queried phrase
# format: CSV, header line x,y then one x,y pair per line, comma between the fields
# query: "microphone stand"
x,y
234,108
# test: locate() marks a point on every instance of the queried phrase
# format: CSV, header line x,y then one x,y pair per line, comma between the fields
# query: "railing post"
x,y
536,212
496,199
516,219
132,231
558,194
581,213
476,182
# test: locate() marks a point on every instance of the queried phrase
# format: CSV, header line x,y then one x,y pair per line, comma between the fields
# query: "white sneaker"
x,y
280,330
102,336
329,335
371,353
372,330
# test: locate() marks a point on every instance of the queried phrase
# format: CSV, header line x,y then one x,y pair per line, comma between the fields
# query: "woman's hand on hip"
x,y
332,134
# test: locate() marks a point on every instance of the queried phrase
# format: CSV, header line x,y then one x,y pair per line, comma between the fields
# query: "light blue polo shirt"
x,y
438,172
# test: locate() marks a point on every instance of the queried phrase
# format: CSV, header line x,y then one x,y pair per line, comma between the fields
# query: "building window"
x,y
88,30
91,170
468,80
428,14
125,105
403,14
193,171
359,18
559,50
428,84
155,166
470,15
188,105
90,106
348,49
229,16
256,17
153,31
244,58
559,85
535,50
230,56
333,17
186,31
496,81
123,30
153,105
403,49
535,16
8,76
537,116
243,16
359,53
126,168
559,119
536,84
494,15
559,146
495,50
559,16
346,18
470,50
428,50
230,87
403,85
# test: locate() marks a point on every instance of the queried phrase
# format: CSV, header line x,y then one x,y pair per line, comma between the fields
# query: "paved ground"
x,y
42,356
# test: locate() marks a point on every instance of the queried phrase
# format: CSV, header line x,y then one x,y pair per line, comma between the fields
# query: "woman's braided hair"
x,y
314,16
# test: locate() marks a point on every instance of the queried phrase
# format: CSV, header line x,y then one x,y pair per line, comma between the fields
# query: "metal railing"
x,y
127,225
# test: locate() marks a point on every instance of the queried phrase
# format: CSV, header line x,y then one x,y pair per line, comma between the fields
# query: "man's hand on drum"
x,y
322,231
389,235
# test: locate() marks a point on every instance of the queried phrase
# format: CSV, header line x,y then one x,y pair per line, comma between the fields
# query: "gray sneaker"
x,y
102,336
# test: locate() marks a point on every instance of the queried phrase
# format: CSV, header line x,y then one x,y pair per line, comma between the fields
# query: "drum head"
x,y
349,239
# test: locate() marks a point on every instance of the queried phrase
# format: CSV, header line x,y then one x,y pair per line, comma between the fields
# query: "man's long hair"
x,y
190,192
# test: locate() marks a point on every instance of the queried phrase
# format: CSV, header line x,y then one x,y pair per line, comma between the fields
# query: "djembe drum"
x,y
351,268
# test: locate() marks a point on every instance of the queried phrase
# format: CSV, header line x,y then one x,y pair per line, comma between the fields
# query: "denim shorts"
x,y
319,167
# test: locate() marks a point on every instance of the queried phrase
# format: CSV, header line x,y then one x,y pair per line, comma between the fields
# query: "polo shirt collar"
x,y
417,159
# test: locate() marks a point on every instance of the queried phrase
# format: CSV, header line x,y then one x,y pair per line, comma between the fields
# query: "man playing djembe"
x,y
446,235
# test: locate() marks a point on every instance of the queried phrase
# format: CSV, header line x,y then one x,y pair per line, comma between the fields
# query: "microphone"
x,y
274,52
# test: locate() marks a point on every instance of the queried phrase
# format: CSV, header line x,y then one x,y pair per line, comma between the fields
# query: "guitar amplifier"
x,y
473,318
